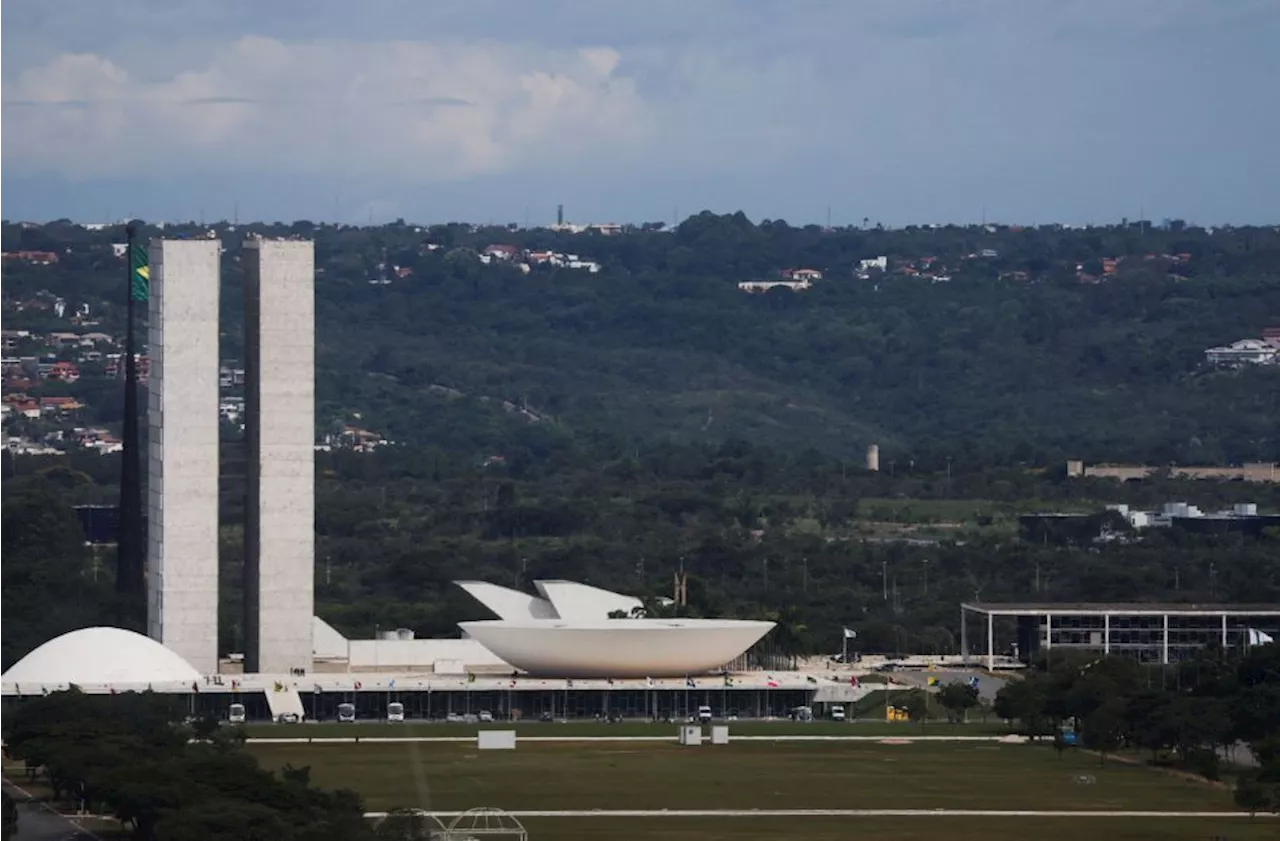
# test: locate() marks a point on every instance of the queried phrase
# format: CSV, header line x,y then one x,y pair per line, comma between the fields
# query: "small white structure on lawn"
x,y
496,740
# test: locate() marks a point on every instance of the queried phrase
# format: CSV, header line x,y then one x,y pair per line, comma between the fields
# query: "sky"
x,y
900,112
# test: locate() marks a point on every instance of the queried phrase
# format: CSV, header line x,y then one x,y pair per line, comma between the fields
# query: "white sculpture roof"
x,y
100,655
326,641
582,602
618,647
568,633
508,603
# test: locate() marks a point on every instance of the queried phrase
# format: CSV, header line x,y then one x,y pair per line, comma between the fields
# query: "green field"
x,y
764,775
924,828
578,729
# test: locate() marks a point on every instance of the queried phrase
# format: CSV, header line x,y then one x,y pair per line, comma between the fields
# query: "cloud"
x,y
432,111
910,111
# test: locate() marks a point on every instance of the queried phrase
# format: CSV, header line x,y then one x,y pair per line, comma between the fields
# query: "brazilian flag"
x,y
139,273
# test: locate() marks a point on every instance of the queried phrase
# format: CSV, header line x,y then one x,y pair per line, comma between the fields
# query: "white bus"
x,y
395,711
235,714
346,712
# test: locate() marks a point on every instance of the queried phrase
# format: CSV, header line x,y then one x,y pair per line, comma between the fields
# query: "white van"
x,y
395,711
235,714
485,716
837,712
346,712
704,714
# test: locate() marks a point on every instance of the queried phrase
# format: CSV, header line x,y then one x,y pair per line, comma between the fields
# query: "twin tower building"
x,y
183,457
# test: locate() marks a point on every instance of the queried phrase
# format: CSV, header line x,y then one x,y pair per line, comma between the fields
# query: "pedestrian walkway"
x,y
38,821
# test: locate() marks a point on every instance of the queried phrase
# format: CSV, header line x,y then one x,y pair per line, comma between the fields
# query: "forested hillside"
x,y
1014,359
615,425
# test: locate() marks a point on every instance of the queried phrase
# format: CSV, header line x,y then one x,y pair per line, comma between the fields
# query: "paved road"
x,y
988,686
38,822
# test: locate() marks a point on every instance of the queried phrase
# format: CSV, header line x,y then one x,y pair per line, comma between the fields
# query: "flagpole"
x,y
128,568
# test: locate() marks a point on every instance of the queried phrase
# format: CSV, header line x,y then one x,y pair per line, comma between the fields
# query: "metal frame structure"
x,y
1162,633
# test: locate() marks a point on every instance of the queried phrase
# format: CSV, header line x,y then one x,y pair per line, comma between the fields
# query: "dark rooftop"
x,y
1129,608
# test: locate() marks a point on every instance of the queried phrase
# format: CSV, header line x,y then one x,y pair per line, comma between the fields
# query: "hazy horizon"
x,y
1073,112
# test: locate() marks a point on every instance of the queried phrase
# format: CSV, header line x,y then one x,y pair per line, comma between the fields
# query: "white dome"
x,y
100,656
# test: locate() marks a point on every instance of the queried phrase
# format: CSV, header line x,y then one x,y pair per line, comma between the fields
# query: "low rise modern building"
x,y
1149,632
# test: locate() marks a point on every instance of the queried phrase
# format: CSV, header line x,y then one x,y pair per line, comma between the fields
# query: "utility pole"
x,y
926,577
884,579
804,575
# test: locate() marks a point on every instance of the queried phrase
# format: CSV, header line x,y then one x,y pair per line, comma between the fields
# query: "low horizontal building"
x,y
1255,471
1149,632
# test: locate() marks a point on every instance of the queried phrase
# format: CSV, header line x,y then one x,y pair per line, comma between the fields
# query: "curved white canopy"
x,y
100,656
618,647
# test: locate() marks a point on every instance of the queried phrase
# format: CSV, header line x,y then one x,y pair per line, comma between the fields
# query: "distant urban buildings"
x,y
1249,471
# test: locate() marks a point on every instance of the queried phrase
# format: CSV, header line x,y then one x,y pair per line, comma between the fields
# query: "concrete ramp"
x,y
283,699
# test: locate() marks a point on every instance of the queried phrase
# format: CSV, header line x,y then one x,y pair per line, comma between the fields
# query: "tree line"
x,y
1219,703
122,755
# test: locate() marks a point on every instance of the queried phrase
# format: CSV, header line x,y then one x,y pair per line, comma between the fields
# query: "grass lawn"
x,y
639,728
902,829
786,775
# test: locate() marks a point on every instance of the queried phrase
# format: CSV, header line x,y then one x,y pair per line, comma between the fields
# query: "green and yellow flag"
x,y
139,273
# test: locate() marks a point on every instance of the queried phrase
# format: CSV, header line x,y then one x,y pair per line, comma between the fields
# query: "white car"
x,y
486,716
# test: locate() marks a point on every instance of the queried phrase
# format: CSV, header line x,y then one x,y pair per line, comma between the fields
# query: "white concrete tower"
x,y
280,409
182,472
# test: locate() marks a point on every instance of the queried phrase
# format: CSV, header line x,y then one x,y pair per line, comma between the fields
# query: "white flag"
x,y
1257,637
850,634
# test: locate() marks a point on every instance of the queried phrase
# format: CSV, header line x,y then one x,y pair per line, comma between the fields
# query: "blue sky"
x,y
497,110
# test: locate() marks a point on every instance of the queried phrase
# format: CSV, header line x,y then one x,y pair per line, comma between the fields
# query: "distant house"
x,y
12,337
801,274
502,252
38,258
1243,352
881,263
755,287
59,405
65,372
29,409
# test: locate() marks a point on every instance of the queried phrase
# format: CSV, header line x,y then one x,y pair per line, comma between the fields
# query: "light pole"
x,y
926,577
884,579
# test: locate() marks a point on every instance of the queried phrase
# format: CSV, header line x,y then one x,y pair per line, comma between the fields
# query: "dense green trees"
x,y
120,753
1195,711
661,344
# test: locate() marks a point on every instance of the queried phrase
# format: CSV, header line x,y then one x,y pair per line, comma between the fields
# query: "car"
x,y
485,716
454,718
288,718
